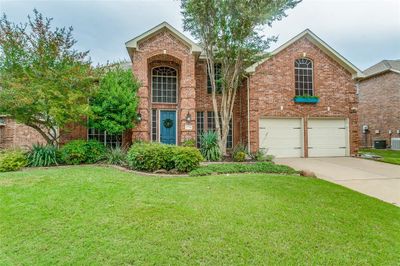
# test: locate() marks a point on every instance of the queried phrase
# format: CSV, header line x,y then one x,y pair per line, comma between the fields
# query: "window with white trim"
x,y
199,126
109,140
211,126
303,71
154,125
164,85
217,78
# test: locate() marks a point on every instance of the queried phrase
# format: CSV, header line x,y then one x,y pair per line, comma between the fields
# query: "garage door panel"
x,y
281,137
327,137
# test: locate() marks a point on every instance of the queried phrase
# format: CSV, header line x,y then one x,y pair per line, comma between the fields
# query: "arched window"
x,y
164,84
303,71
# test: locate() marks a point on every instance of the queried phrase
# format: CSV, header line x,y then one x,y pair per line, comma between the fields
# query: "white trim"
x,y
177,85
357,73
176,124
365,77
133,43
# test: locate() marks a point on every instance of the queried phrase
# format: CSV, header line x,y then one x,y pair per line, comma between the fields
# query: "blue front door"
x,y
168,127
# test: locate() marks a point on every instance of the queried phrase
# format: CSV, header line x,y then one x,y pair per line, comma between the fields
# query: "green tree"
x,y
114,106
44,82
229,32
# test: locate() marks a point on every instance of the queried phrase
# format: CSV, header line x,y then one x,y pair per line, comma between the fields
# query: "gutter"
x,y
248,114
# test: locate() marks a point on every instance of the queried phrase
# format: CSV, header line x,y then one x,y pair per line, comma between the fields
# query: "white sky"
x,y
363,31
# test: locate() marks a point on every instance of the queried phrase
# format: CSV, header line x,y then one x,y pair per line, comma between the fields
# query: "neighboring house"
x,y
379,103
15,135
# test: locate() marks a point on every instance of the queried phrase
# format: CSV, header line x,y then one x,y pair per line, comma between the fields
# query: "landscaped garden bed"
x,y
145,157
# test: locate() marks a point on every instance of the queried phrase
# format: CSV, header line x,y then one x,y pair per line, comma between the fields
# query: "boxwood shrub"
x,y
151,157
12,160
81,151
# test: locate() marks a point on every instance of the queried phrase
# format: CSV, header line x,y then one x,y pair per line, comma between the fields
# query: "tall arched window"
x,y
303,71
164,84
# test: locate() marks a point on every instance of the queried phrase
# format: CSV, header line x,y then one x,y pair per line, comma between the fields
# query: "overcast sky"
x,y
363,31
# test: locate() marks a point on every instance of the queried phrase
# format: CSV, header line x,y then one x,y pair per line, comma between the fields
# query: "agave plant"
x,y
42,155
209,146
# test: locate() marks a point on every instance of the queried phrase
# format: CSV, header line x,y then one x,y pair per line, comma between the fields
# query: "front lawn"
x,y
388,156
96,215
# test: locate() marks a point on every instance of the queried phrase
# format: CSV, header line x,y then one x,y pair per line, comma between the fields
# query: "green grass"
x,y
229,168
388,156
95,215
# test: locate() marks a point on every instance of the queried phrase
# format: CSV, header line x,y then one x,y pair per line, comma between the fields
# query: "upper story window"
x,y
217,77
164,85
303,71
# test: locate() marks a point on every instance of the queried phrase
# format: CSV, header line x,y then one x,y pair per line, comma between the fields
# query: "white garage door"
x,y
327,137
281,137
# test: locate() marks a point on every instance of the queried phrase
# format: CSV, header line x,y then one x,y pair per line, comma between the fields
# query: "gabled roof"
x,y
133,44
320,44
383,66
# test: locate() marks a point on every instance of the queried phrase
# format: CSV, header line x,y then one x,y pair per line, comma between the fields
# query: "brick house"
x,y
379,103
175,99
176,103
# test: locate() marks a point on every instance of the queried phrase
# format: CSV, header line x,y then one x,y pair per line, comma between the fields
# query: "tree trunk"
x,y
48,138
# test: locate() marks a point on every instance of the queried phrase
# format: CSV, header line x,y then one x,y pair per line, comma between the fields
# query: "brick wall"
x,y
379,107
272,88
165,48
15,135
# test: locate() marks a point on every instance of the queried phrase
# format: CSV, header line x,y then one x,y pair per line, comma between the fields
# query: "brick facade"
x,y
379,107
15,135
166,49
272,91
269,89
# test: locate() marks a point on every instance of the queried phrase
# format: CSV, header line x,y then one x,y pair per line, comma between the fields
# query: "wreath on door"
x,y
168,123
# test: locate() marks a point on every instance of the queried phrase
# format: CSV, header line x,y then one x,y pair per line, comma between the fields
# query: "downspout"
x,y
248,114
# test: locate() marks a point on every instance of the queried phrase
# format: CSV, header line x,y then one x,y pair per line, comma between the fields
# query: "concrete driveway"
x,y
376,179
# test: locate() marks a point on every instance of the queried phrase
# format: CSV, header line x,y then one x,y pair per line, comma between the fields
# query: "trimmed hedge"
x,y
260,167
12,160
151,157
81,151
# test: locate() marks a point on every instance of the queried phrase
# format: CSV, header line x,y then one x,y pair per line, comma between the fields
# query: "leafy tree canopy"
x,y
229,32
44,82
114,106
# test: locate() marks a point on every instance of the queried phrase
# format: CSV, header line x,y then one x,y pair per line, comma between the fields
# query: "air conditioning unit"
x,y
2,122
395,144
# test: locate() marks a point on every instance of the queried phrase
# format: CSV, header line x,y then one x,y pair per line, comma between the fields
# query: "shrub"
x,y
260,156
80,151
12,160
239,156
148,156
95,151
189,143
155,156
43,155
186,158
116,156
260,167
209,146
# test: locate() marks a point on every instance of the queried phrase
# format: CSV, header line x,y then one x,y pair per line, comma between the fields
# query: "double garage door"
x,y
285,137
